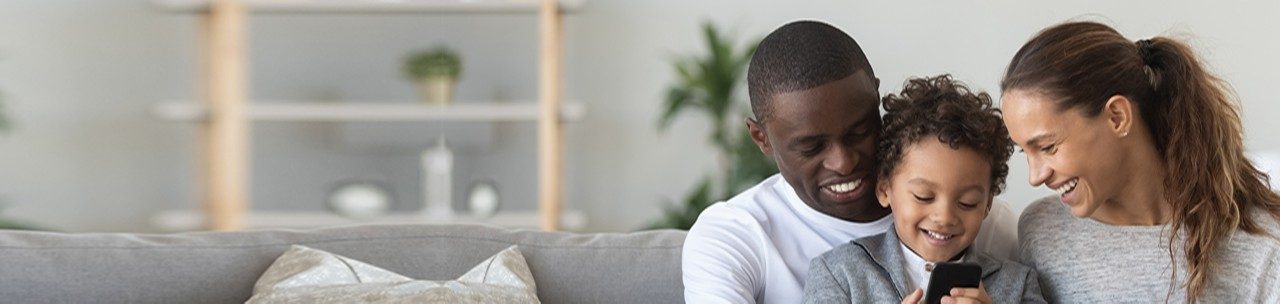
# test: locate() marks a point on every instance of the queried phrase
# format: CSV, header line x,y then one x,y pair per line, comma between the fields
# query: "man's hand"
x,y
968,296
915,297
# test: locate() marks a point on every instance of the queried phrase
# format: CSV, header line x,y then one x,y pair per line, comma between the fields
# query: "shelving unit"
x,y
362,111
226,115
374,6
192,220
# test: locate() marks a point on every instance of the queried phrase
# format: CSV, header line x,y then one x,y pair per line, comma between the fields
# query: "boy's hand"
x,y
968,296
915,297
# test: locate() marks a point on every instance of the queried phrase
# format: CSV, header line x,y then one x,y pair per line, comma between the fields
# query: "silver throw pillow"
x,y
305,275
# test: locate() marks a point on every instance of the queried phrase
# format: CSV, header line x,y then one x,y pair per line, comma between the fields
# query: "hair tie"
x,y
1146,49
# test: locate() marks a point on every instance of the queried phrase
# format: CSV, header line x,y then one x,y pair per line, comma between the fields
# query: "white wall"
x,y
79,78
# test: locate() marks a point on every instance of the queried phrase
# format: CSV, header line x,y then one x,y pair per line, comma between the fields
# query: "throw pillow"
x,y
306,275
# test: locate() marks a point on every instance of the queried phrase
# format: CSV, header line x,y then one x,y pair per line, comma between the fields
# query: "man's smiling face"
x,y
824,141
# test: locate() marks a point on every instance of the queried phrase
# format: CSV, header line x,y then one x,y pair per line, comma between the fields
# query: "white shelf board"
x,y
187,220
374,111
374,6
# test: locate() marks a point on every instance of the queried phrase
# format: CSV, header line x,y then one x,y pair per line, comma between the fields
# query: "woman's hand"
x,y
915,297
968,296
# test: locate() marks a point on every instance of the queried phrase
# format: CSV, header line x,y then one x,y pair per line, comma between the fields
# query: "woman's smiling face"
x,y
939,197
1076,156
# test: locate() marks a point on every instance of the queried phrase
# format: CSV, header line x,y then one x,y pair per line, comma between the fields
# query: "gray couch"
x,y
41,267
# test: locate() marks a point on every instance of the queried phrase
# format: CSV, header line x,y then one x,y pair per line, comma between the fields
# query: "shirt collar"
x,y
917,268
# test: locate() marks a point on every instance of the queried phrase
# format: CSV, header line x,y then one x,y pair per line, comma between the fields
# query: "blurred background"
x,y
85,149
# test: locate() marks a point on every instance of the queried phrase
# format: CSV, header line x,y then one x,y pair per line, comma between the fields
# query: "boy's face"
x,y
824,141
939,197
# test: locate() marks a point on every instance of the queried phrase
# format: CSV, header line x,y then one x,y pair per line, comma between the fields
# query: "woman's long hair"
x,y
1191,114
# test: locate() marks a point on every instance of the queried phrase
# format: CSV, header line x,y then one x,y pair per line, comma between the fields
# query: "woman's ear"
x,y
882,193
1120,115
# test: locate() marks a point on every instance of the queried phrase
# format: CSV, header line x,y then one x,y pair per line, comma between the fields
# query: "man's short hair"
x,y
798,56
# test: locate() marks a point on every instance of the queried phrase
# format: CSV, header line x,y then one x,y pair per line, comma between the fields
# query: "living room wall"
x,y
85,154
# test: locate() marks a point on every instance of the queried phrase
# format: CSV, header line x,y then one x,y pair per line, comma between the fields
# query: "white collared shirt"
x,y
916,267
756,247
918,270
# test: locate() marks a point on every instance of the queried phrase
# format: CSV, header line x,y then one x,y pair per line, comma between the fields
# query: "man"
x,y
815,102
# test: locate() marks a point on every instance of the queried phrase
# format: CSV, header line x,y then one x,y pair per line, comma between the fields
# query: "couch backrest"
x,y
221,267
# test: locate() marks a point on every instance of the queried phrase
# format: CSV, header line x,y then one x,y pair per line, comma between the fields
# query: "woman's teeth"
x,y
845,187
937,236
1070,185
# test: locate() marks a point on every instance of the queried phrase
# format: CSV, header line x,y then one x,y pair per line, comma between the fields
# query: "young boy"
x,y
943,152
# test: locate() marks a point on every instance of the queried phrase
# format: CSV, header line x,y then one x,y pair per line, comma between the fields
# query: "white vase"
x,y
437,181
436,90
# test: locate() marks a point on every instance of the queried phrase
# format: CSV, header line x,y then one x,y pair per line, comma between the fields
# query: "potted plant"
x,y
435,72
710,84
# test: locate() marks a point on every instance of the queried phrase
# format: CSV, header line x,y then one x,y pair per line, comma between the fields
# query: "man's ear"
x,y
758,135
882,193
876,81
1120,115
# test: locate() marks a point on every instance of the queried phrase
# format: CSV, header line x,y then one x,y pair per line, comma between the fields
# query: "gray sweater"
x,y
1081,260
870,270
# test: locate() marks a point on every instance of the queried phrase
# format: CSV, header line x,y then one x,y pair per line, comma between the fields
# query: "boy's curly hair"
x,y
944,108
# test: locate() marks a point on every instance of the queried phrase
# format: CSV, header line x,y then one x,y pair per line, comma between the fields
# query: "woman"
x,y
1156,200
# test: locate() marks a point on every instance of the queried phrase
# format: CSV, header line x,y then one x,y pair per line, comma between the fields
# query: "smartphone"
x,y
951,275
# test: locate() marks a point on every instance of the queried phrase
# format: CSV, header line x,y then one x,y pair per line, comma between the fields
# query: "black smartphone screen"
x,y
950,275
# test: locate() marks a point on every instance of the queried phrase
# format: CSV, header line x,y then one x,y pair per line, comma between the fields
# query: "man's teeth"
x,y
938,236
1070,185
845,187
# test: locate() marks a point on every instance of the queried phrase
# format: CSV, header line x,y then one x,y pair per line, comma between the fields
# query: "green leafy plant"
x,y
438,62
8,224
4,127
4,119
710,84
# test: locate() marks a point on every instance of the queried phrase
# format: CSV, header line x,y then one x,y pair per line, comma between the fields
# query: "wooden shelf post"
x,y
225,135
549,93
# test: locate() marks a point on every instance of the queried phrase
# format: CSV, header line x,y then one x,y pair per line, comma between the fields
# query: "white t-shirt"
x,y
756,247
